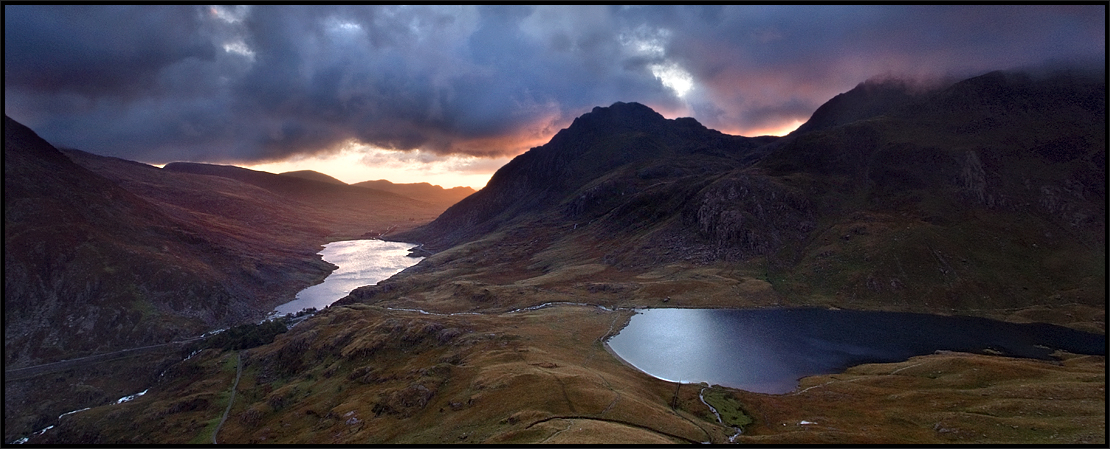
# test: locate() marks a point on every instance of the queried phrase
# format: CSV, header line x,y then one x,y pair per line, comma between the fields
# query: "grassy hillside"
x,y
366,375
103,254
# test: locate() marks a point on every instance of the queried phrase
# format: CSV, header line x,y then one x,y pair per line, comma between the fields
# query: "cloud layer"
x,y
263,83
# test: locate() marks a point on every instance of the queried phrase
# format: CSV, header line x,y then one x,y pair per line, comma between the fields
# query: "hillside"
x,y
103,254
349,211
923,201
313,175
421,191
90,266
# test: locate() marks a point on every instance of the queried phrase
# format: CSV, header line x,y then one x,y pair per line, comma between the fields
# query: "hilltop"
x,y
313,175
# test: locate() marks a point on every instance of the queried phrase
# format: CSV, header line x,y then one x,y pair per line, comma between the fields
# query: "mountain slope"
x,y
103,255
421,191
576,164
348,211
91,267
313,175
984,195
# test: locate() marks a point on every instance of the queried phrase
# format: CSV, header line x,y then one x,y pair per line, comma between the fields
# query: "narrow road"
x,y
235,386
31,371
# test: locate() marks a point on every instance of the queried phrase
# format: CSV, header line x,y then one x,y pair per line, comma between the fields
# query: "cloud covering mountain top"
x,y
263,83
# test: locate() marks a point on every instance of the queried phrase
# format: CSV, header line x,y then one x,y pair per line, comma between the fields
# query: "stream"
x,y
701,396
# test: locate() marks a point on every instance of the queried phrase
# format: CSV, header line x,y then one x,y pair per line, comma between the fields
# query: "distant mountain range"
x,y
422,191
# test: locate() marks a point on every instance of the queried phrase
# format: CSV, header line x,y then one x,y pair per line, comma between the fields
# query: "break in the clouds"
x,y
265,83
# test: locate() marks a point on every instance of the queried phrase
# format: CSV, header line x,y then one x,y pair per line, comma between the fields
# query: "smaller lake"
x,y
360,262
768,351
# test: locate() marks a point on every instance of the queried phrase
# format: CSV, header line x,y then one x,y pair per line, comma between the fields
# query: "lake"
x,y
360,262
768,351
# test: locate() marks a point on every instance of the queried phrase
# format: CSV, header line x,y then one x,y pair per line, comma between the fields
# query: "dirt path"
x,y
231,400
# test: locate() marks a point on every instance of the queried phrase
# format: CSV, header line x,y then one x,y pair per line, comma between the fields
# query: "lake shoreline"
x,y
770,350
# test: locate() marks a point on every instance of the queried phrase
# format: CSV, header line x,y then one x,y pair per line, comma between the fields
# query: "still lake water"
x,y
361,262
767,351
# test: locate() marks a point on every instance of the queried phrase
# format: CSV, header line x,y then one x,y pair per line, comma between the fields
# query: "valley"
x,y
982,198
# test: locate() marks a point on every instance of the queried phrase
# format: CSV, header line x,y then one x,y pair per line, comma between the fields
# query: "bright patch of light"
x,y
776,130
344,27
652,43
239,47
349,26
356,163
645,41
674,77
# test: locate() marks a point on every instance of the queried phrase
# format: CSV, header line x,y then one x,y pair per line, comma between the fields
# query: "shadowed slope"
x,y
628,138
89,266
103,254
313,175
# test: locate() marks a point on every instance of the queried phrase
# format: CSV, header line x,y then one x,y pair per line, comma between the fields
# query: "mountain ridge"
x,y
884,174
571,160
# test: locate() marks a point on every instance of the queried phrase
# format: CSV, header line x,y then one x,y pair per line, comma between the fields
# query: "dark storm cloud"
x,y
162,83
81,50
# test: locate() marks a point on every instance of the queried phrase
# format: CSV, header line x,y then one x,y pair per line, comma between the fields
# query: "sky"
x,y
448,94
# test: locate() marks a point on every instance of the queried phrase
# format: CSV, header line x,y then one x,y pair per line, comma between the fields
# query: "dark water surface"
x,y
767,351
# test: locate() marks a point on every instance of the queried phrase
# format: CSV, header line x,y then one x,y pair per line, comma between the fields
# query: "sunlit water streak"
x,y
360,262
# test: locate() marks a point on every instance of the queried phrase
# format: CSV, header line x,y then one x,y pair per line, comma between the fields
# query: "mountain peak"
x,y
620,115
627,142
